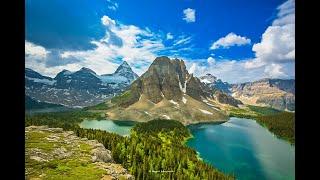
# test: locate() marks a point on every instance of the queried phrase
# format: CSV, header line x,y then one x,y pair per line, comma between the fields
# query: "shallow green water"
x,y
244,148
120,127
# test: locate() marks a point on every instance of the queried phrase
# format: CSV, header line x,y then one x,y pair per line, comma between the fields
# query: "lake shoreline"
x,y
206,122
227,147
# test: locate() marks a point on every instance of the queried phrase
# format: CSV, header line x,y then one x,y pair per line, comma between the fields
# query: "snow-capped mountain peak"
x,y
125,70
123,74
208,78
83,87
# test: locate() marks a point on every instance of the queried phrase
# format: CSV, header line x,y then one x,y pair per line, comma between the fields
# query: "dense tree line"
x,y
33,104
263,110
66,120
154,150
281,124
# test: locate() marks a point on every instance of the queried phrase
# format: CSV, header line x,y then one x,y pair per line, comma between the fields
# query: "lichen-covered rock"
x,y
52,153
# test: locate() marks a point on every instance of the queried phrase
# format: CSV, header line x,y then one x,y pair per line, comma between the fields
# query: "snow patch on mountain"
x,y
184,100
166,116
173,102
205,112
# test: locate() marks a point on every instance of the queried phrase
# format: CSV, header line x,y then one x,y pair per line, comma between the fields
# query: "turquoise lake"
x,y
244,148
240,146
120,127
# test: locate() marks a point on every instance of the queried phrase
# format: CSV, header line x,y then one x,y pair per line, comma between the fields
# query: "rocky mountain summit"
x,y
222,92
214,82
167,79
52,153
166,90
123,74
276,93
80,88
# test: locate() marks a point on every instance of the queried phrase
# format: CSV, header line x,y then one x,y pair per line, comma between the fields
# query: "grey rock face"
x,y
227,99
168,79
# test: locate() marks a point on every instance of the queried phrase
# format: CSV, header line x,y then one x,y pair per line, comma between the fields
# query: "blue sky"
x,y
234,40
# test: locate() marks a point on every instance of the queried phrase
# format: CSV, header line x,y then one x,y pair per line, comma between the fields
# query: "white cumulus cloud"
x,y
274,54
107,21
230,40
36,51
189,15
137,46
277,45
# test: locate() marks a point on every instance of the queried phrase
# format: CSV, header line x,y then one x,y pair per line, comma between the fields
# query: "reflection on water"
x,y
244,148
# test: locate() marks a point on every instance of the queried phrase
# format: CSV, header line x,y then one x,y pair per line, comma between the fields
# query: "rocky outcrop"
x,y
52,153
224,98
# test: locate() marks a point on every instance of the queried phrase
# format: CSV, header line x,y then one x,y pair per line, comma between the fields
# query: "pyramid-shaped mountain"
x,y
166,90
123,74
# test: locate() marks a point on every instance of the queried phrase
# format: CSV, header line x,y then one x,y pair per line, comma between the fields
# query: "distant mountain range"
x,y
80,88
275,93
166,82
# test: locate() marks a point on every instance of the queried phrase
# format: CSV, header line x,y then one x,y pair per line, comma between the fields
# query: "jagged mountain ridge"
x,y
214,82
276,93
80,88
166,90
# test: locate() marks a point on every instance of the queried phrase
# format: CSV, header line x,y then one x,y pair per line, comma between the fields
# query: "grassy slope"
x,y
145,110
76,166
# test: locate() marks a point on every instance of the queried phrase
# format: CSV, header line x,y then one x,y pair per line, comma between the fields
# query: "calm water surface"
x,y
244,148
120,127
239,146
